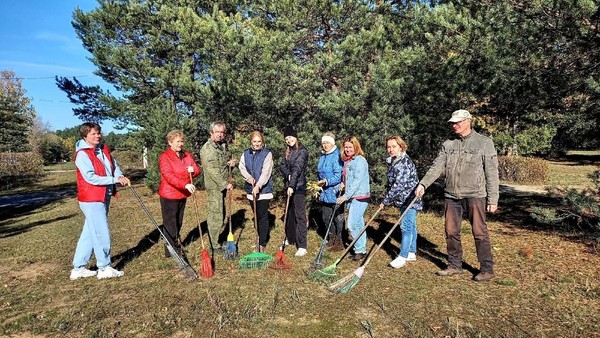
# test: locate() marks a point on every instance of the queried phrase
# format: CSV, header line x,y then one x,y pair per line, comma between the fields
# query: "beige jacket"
x,y
471,168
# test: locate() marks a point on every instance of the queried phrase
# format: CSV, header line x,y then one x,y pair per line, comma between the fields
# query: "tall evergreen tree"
x,y
16,113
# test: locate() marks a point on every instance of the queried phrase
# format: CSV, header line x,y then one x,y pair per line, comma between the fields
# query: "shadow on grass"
x,y
18,205
7,230
580,159
425,248
13,207
143,245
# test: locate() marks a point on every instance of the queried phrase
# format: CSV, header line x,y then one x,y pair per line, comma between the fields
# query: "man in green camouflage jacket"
x,y
216,159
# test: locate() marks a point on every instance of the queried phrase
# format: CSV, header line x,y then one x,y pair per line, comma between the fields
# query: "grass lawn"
x,y
547,284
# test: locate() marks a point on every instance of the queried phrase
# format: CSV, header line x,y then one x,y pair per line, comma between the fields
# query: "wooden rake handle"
x,y
390,232
360,233
197,213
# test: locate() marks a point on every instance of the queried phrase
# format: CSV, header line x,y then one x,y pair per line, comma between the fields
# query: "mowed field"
x,y
547,279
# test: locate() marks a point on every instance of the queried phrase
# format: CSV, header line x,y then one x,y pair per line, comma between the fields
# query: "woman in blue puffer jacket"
x,y
329,174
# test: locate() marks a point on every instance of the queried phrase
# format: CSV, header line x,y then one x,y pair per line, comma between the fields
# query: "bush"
x,y
579,210
523,170
18,168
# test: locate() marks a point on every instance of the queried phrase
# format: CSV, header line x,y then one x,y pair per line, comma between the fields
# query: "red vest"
x,y
87,192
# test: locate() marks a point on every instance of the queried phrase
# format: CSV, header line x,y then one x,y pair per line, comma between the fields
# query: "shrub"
x,y
18,168
523,170
579,210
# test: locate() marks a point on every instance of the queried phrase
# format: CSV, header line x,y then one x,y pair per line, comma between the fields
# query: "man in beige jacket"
x,y
470,164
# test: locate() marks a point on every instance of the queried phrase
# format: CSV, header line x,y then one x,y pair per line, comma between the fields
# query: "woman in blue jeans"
x,y
357,191
402,180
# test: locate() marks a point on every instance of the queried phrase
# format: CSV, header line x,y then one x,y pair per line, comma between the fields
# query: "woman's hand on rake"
x,y
190,187
340,200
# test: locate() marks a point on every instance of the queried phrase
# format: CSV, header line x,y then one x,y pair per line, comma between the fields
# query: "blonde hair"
x,y
254,134
399,140
174,134
357,148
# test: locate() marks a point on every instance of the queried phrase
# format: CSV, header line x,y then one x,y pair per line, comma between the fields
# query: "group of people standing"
x,y
469,162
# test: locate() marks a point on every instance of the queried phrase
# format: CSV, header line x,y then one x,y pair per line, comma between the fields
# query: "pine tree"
x,y
16,113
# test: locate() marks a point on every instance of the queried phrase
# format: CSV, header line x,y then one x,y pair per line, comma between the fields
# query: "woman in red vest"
x,y
176,166
97,174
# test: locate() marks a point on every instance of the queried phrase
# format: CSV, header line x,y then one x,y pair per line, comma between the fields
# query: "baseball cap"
x,y
459,115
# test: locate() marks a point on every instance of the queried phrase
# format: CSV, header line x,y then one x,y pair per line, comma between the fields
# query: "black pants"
x,y
337,224
295,225
262,216
172,215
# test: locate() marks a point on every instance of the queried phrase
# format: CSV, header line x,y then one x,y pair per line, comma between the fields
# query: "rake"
x,y
317,262
206,267
281,261
230,247
329,271
256,260
347,282
184,266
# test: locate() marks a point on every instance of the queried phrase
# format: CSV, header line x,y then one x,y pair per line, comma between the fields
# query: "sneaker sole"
x,y
80,277
108,277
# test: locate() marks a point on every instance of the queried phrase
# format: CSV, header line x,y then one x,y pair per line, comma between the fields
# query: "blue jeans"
x,y
408,226
356,221
95,235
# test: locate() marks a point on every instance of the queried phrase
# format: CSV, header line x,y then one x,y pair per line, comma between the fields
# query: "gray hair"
x,y
216,123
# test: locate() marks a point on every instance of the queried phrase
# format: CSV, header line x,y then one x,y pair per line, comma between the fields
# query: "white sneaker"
x,y
301,252
398,262
109,272
411,257
81,273
286,242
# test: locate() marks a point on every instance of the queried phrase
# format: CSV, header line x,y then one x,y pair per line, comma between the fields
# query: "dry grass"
x,y
547,284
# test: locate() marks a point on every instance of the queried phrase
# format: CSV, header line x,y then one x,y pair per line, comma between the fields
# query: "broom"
x,y
230,248
317,262
281,261
185,267
255,260
206,267
329,271
346,283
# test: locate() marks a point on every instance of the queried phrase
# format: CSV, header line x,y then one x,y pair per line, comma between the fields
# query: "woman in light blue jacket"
x,y
329,174
357,192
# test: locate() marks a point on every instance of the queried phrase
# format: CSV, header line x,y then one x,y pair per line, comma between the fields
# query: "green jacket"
x,y
214,159
471,168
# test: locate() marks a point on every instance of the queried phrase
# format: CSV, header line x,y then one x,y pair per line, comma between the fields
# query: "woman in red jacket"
x,y
175,166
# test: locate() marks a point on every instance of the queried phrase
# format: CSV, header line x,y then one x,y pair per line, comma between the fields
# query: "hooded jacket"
x,y
97,172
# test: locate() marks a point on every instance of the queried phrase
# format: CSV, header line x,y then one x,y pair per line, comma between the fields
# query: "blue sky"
x,y
37,42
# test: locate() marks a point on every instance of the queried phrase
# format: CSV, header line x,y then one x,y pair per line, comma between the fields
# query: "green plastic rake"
x,y
255,261
328,272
